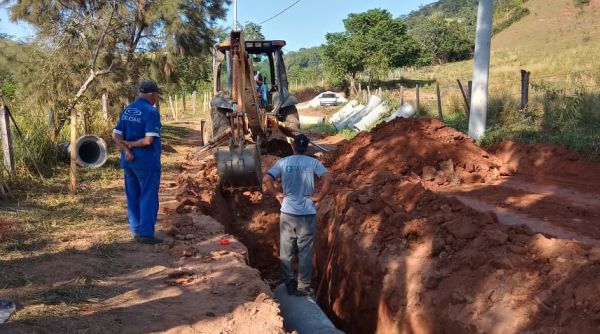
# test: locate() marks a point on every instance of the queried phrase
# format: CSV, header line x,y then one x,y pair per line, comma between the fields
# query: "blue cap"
x,y
149,86
301,143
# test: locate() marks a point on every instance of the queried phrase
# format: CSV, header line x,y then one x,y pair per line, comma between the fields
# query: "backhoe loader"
x,y
242,124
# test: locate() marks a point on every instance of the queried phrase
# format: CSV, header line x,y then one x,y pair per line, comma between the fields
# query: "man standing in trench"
x,y
297,223
137,134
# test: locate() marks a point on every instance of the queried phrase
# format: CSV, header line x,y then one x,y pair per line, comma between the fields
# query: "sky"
x,y
306,24
303,25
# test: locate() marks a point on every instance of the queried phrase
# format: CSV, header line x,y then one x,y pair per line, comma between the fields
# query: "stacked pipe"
x,y
361,118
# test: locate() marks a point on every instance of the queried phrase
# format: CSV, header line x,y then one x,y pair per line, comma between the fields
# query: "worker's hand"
x,y
129,156
316,199
279,197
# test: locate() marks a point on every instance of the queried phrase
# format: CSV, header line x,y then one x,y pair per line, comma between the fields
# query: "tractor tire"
x,y
289,116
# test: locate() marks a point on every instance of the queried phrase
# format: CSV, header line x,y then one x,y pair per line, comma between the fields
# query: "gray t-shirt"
x,y
297,174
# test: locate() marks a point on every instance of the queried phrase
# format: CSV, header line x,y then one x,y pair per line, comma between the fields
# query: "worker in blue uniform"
x,y
137,134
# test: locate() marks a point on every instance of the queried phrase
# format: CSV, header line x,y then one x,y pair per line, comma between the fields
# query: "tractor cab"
x,y
267,59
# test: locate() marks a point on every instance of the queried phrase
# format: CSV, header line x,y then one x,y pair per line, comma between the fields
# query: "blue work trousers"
x,y
297,233
141,188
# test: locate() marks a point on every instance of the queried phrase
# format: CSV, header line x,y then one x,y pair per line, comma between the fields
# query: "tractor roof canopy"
x,y
255,47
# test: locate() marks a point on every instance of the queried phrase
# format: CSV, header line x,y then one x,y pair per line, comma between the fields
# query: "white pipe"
x,y
481,69
311,120
343,123
343,112
405,111
371,118
235,15
303,314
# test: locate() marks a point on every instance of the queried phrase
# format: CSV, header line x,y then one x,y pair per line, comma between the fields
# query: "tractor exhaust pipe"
x,y
91,151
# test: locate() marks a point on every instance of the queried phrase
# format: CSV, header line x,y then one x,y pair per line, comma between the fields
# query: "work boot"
x,y
305,291
148,240
291,287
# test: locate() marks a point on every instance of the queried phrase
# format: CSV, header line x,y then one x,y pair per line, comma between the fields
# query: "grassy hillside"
x,y
506,12
558,42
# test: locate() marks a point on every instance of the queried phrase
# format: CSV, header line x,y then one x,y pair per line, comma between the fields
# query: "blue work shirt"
x,y
140,119
263,91
297,174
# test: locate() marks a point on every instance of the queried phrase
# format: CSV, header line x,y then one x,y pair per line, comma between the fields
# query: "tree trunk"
x,y
352,79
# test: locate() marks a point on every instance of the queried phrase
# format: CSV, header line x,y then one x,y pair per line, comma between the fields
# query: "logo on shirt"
x,y
133,112
292,169
132,115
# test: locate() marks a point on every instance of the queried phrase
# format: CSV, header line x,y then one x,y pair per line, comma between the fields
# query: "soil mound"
x,y
551,162
426,148
402,258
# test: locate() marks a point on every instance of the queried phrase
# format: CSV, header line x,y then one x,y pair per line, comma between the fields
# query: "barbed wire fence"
x,y
421,93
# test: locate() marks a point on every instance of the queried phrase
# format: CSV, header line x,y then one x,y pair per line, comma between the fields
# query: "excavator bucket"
x,y
239,167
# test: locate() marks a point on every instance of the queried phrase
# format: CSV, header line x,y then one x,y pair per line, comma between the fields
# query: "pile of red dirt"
x,y
427,148
393,256
399,258
549,162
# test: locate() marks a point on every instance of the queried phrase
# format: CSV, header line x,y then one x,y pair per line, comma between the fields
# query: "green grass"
x,y
78,291
173,133
328,129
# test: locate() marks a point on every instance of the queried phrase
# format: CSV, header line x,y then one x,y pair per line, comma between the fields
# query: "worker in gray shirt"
x,y
298,221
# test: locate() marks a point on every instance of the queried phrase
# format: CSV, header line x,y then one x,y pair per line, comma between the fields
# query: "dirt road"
x,y
199,282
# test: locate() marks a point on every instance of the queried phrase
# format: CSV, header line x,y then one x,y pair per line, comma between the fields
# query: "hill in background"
x,y
558,42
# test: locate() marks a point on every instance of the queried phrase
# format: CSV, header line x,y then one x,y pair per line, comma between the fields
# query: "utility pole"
x,y
235,16
481,69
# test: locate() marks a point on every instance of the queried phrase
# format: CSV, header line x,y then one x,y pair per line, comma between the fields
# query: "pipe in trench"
x,y
303,314
91,151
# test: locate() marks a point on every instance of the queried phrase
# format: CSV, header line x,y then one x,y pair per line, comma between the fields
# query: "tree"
x,y
79,41
253,32
373,42
444,40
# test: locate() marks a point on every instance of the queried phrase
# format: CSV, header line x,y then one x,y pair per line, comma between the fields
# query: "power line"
x,y
283,11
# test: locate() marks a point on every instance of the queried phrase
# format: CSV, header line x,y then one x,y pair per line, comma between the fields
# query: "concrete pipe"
x,y
374,101
311,120
371,118
91,151
405,111
343,112
303,314
343,122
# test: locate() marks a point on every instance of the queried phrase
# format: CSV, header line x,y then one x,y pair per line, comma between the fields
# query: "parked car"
x,y
329,99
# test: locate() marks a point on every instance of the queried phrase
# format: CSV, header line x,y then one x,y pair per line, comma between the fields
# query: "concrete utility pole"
x,y
235,16
481,69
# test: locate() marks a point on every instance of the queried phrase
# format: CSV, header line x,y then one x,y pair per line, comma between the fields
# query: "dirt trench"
x,y
400,250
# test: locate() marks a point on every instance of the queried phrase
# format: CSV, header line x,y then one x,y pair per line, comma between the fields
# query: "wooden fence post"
x,y
7,143
73,149
401,95
470,92
51,118
172,107
183,106
105,104
194,103
439,101
524,89
176,109
418,102
202,124
465,99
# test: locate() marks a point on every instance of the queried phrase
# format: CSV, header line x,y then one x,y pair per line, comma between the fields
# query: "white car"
x,y
329,99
